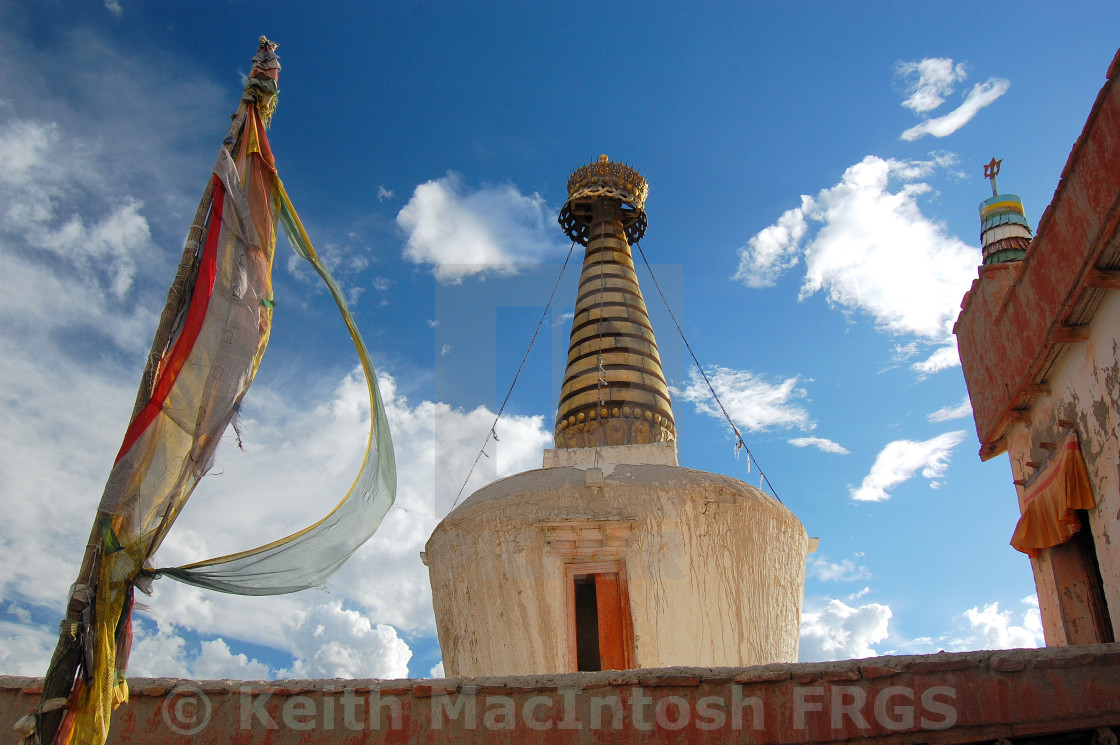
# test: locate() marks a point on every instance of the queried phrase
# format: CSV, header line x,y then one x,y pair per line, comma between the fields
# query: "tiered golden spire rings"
x,y
604,179
614,390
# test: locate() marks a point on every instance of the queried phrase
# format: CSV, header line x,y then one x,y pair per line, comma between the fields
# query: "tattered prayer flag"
x,y
211,338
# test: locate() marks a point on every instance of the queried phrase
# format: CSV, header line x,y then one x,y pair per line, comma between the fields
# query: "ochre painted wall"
x,y
961,698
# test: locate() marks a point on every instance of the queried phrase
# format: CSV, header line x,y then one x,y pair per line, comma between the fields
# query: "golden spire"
x,y
614,390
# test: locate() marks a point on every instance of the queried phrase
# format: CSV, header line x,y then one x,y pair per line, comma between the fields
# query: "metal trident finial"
x,y
991,170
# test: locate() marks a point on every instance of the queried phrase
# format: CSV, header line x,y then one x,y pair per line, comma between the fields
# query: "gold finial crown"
x,y
604,178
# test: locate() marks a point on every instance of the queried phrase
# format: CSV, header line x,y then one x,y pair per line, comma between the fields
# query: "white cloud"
x,y
996,629
165,654
461,232
929,81
948,413
864,227
839,631
49,170
25,649
844,570
330,641
774,249
383,194
437,671
821,443
753,403
114,7
381,283
901,459
981,95
942,359
984,627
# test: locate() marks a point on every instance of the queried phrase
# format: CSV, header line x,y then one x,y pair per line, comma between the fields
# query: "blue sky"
x,y
814,178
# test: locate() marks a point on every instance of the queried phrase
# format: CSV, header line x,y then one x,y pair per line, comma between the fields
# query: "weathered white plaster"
x,y
715,569
1085,390
655,453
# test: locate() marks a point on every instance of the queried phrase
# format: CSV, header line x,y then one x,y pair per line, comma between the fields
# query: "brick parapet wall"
x,y
943,698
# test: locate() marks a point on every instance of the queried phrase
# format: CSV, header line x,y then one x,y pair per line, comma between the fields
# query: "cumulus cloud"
x,y
996,629
928,81
948,413
821,443
900,460
329,641
853,254
753,403
844,570
985,627
461,232
839,631
164,654
981,95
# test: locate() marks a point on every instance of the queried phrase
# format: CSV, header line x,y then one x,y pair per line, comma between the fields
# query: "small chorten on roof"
x,y
1005,233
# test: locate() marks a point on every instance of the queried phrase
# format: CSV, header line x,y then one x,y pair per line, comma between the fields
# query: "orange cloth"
x,y
1049,514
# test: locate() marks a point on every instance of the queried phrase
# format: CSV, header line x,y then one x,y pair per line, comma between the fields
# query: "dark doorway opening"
x,y
587,624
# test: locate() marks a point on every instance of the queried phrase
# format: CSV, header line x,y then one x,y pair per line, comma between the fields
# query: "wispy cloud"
x,y
928,81
981,95
461,232
774,249
383,194
900,460
861,224
753,403
821,443
948,413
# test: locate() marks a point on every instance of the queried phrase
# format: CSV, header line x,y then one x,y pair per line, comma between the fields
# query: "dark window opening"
x,y
587,624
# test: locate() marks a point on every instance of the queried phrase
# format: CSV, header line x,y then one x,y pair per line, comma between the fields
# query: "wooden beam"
x,y
1037,389
1019,416
1070,334
1107,279
992,449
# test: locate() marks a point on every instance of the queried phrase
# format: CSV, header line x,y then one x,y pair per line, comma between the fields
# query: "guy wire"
x,y
492,433
739,443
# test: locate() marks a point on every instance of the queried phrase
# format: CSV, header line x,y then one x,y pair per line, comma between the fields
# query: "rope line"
x,y
502,408
740,445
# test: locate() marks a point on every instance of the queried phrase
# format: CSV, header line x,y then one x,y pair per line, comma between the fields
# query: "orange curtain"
x,y
1052,499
